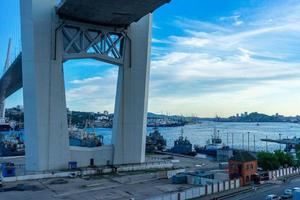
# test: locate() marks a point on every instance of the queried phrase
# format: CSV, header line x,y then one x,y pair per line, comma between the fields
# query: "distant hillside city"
x,y
259,117
105,119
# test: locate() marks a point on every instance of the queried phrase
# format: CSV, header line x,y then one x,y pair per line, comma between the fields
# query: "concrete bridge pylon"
x,y
46,44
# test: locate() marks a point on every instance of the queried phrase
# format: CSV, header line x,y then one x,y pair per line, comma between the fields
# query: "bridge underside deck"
x,y
11,81
107,12
116,13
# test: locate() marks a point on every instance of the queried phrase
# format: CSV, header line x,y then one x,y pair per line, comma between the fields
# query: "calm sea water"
x,y
200,133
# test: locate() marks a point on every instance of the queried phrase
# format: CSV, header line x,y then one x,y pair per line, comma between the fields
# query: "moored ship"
x,y
82,138
212,146
155,141
183,146
12,145
4,126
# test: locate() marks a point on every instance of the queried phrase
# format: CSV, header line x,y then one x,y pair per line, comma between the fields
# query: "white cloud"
x,y
93,93
154,40
215,68
87,80
200,25
155,26
234,19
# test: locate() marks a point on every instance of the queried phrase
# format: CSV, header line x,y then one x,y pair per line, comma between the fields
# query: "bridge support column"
x,y
46,133
129,128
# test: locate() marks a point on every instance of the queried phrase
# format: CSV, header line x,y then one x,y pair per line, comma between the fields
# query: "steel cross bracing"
x,y
89,41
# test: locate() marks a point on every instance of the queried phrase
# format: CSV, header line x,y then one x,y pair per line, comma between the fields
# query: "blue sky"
x,y
208,57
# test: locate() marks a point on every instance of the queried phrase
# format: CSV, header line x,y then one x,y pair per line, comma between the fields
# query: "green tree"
x,y
284,159
272,161
298,153
268,161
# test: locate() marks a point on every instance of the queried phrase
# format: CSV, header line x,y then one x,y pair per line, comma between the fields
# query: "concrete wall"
x,y
215,187
232,184
209,189
273,175
226,185
221,186
101,155
144,166
93,171
196,192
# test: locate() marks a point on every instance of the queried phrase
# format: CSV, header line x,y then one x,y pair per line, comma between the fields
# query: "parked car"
x,y
286,196
273,197
288,191
295,188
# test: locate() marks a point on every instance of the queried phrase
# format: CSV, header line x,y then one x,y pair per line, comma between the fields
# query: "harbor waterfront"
x,y
149,100
198,134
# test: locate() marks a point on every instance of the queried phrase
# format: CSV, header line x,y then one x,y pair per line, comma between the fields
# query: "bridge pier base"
x,y
47,144
130,119
46,131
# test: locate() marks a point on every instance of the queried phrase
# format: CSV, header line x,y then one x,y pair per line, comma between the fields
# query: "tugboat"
x,y
212,145
155,141
183,146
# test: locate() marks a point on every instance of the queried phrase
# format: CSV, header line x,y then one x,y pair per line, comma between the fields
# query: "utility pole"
x,y
254,143
243,147
280,140
232,139
248,141
227,139
266,144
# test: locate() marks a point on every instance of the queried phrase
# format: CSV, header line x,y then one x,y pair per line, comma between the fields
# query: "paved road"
x,y
274,189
